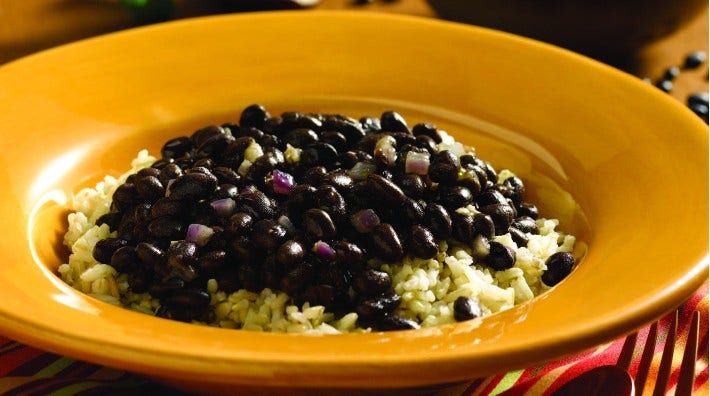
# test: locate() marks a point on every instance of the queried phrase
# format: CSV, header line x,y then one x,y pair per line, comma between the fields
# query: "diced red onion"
x,y
417,163
361,169
223,207
199,234
283,182
365,220
385,150
324,250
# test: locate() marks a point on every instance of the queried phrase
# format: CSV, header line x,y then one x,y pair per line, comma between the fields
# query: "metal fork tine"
x,y
664,370
627,352
646,359
686,378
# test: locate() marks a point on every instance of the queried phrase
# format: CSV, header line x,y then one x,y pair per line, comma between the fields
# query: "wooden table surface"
x,y
30,26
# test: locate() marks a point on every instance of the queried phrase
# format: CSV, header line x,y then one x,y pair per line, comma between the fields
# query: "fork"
x,y
615,379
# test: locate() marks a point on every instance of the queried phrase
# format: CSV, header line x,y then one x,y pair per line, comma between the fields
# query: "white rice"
x,y
428,287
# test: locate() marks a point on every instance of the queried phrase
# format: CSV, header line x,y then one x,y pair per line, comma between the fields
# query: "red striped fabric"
x,y
28,371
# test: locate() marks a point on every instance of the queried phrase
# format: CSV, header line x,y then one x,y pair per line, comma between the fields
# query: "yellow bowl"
x,y
623,166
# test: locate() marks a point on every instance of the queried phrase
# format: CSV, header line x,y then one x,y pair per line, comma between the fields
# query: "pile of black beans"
x,y
308,227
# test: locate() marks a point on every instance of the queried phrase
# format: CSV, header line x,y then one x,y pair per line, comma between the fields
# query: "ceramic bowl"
x,y
607,29
623,166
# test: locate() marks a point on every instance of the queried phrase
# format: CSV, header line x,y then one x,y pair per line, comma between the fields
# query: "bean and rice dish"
x,y
313,223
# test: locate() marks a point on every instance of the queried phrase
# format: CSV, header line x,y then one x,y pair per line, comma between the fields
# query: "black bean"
x,y
300,137
454,197
314,175
694,59
111,219
671,73
519,237
298,278
335,139
192,187
254,116
319,225
502,216
516,189
664,85
348,254
377,307
385,190
428,130
422,242
698,97
392,121
242,249
202,135
224,191
169,172
320,294
500,256
426,143
340,180
150,254
466,308
168,207
386,243
350,128
290,253
372,282
302,198
412,185
370,124
192,298
329,199
182,259
124,197
150,188
166,227
394,322
444,167
559,265
167,287
105,248
213,147
437,220
177,147
267,234
260,203
527,209
124,259
294,119
463,228
213,261
413,211
490,197
700,110
319,153
139,279
525,224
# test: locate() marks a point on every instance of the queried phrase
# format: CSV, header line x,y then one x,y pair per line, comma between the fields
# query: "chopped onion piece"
x,y
199,234
324,250
385,150
365,220
283,182
417,163
361,170
223,207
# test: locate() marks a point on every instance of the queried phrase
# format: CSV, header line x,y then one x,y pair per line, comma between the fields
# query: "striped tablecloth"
x,y
28,371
